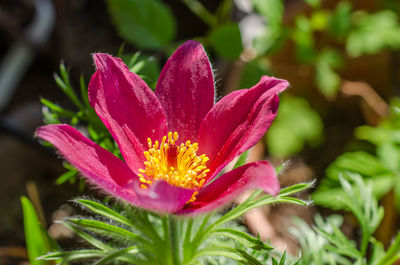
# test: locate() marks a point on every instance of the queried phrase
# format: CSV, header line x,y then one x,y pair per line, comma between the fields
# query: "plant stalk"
x,y
199,10
174,240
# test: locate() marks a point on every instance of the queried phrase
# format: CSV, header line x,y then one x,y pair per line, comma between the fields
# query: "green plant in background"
x,y
325,243
146,67
342,31
355,32
296,124
380,168
373,33
226,41
146,24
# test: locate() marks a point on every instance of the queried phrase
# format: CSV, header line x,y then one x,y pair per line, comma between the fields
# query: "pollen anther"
x,y
179,165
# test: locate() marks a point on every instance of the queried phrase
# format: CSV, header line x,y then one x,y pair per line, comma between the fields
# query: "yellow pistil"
x,y
179,165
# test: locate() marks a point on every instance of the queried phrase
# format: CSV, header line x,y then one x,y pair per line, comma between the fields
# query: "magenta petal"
x,y
238,121
97,164
186,89
162,197
127,107
111,174
256,175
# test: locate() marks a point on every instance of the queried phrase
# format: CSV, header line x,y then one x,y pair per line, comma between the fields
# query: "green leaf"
x,y
50,117
147,67
132,60
358,198
116,254
224,10
296,188
326,78
147,24
104,228
245,239
279,169
283,259
270,41
360,201
220,251
70,174
358,162
377,252
88,238
103,210
313,3
313,244
330,197
282,199
74,255
242,160
377,135
304,40
56,108
227,41
340,244
271,10
373,33
253,201
63,82
389,154
250,260
319,20
340,20
84,92
186,246
296,125
37,242
393,253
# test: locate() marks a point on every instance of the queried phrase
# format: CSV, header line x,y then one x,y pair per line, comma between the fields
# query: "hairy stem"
x,y
174,240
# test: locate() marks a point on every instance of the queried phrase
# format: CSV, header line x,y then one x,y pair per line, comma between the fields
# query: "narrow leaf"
x,y
243,238
103,210
104,228
36,241
116,254
73,255
296,188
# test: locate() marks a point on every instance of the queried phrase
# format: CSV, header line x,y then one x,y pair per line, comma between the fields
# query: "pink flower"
x,y
175,140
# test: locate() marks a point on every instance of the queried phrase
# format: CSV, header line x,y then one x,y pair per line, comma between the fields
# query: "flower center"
x,y
179,165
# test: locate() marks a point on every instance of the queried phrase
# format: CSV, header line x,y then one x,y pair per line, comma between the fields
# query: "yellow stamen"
x,y
179,165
